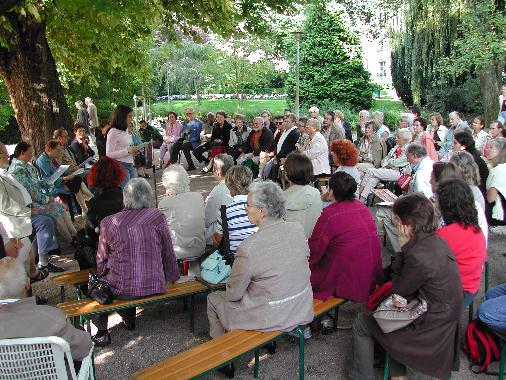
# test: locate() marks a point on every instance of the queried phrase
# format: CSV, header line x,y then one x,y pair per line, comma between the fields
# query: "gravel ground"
x,y
163,330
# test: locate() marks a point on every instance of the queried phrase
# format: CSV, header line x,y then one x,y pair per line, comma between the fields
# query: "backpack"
x,y
481,346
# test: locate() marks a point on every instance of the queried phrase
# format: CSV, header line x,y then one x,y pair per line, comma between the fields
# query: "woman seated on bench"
x,y
345,249
269,287
427,268
135,252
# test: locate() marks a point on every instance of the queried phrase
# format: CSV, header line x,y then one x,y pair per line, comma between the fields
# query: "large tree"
x,y
331,67
87,36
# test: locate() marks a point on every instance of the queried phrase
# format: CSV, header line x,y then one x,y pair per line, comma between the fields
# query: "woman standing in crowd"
x,y
317,150
462,233
184,212
424,268
135,252
105,177
269,287
119,141
371,149
496,182
479,135
302,201
173,132
43,201
437,130
80,146
345,258
423,138
363,119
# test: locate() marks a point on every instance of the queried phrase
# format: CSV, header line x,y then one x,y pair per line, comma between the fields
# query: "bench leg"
x,y
301,352
501,361
192,313
62,293
336,317
257,364
386,371
487,276
185,304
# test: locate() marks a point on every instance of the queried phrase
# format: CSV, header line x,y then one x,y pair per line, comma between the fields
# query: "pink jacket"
x,y
173,132
117,144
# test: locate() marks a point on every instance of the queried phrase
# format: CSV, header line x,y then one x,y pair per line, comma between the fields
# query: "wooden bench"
x,y
75,279
88,307
215,353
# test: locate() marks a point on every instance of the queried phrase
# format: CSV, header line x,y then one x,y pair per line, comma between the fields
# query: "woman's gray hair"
x,y
269,196
405,135
223,162
498,143
408,117
137,194
468,167
176,179
377,115
315,123
364,112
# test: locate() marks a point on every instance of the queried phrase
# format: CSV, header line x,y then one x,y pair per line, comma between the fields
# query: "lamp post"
x,y
298,36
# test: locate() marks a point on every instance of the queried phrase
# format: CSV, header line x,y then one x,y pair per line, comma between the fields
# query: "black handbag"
x,y
224,247
85,253
98,289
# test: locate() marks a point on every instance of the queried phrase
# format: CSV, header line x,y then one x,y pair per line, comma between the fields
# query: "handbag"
x,y
404,181
98,289
214,269
85,253
391,317
224,247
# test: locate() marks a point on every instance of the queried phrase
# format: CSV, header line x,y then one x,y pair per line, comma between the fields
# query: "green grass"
x,y
230,106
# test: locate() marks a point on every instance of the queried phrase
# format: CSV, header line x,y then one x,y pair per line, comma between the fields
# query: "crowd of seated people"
x,y
274,213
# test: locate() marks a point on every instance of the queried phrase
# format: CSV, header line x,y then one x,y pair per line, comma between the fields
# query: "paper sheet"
x,y
57,174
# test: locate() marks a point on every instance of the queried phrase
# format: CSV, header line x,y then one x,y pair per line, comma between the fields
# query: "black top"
x,y
108,202
80,152
289,144
265,142
222,133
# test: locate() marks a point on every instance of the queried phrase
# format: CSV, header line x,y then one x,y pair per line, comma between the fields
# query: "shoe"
x,y
53,268
42,273
129,324
191,168
228,370
102,340
41,300
306,331
271,348
327,326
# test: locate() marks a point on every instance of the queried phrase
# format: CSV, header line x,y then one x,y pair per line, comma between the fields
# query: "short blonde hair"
x,y
12,278
238,179
315,123
339,114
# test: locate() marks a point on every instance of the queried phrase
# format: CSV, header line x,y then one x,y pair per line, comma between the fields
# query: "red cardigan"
x,y
470,250
345,258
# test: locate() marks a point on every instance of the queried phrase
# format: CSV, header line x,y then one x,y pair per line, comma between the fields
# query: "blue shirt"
x,y
193,128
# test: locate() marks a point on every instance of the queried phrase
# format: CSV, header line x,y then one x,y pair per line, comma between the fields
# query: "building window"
x,y
382,69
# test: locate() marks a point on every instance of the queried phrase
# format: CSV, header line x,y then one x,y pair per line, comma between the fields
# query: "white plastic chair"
x,y
41,358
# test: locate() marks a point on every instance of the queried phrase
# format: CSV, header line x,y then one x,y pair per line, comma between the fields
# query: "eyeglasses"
x,y
279,122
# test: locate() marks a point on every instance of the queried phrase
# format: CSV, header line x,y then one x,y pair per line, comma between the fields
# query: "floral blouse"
x,y
40,192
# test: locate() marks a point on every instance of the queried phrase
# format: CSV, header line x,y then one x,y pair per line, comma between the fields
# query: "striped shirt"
x,y
239,227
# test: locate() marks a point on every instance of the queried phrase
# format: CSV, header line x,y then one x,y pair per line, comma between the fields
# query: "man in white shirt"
x,y
479,135
219,195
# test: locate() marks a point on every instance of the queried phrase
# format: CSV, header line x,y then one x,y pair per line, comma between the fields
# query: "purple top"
x,y
173,132
345,259
135,246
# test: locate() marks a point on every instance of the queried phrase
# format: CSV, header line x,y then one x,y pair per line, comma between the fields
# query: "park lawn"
x,y
248,107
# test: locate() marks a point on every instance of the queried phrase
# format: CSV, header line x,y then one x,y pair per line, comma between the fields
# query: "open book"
x,y
57,174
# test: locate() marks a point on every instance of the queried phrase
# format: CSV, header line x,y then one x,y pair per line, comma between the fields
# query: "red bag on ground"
x,y
481,346
379,295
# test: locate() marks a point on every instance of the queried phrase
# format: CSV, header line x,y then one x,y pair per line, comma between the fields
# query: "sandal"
x,y
42,273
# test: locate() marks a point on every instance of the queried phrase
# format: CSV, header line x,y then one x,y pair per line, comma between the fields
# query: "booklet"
x,y
57,174
142,146
79,171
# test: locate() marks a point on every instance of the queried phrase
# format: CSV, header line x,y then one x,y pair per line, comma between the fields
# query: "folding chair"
x,y
41,358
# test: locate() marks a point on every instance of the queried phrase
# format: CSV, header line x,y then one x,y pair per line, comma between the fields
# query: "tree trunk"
x,y
29,71
490,85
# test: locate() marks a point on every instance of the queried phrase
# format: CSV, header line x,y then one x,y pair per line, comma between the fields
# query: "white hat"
x,y
314,109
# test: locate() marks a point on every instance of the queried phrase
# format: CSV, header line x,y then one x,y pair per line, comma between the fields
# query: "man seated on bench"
x,y
22,318
135,252
269,286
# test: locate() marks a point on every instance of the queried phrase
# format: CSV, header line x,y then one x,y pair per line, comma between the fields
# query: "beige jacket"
x,y
185,216
25,319
15,216
303,204
269,286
